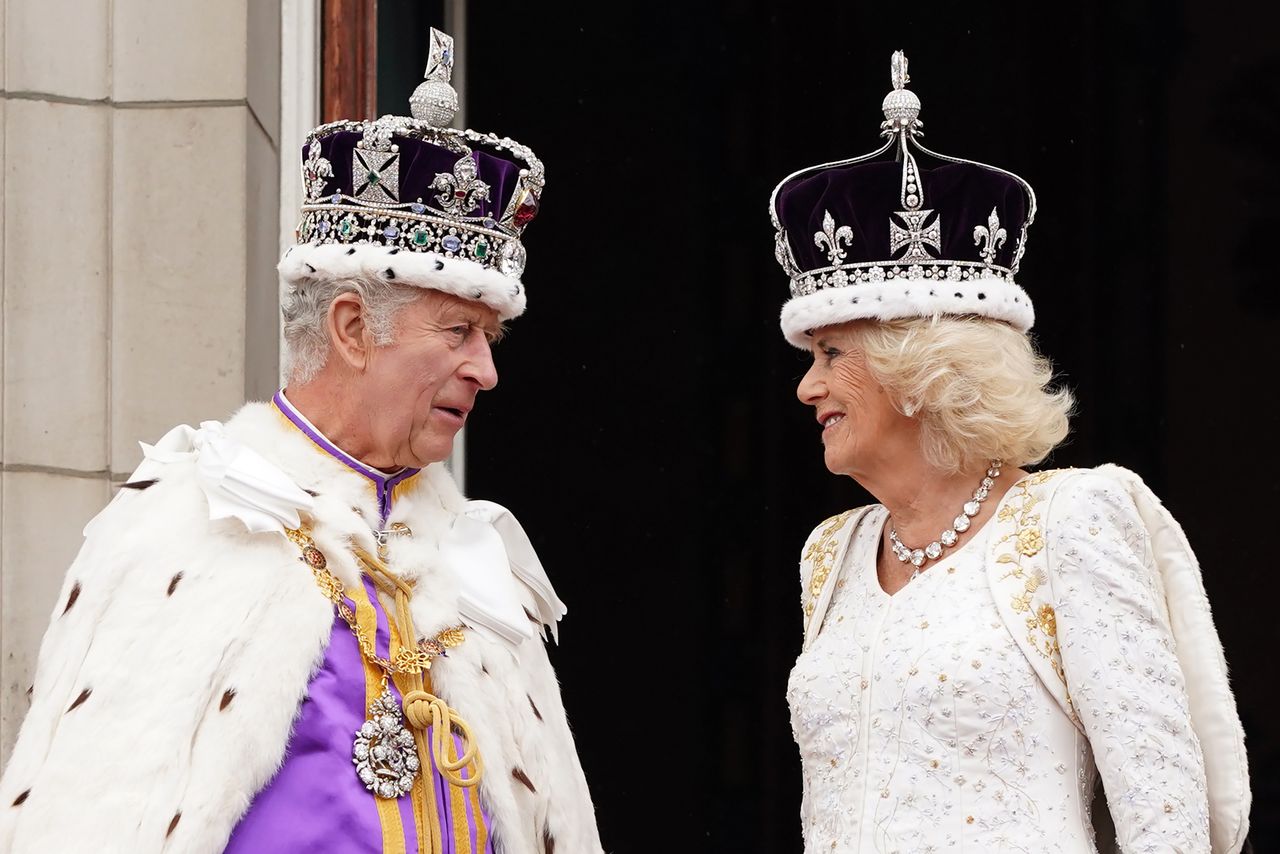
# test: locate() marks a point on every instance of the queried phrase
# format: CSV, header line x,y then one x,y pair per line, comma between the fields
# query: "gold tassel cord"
x,y
422,709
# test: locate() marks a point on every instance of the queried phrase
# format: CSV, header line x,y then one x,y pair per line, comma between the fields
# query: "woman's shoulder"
x,y
833,527
1092,507
1075,490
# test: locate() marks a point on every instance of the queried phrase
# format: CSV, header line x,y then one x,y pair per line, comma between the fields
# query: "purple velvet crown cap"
x,y
864,196
416,201
901,232
419,164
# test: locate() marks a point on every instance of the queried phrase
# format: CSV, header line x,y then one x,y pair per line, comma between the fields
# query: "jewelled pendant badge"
x,y
385,754
384,751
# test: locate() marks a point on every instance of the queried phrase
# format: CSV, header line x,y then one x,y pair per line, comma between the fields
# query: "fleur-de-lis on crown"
x,y
461,192
833,237
315,169
990,237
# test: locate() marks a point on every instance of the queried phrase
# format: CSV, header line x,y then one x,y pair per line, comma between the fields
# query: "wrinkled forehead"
x,y
448,308
844,335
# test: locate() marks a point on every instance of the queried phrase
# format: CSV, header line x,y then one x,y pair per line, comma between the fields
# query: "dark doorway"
x,y
646,431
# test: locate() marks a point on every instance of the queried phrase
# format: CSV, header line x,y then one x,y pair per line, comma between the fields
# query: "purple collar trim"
x,y
384,484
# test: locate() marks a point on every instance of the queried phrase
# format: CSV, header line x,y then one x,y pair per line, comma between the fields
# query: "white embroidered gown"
x,y
923,728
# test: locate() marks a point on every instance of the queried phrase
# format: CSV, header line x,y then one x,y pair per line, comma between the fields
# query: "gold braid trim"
x,y
422,709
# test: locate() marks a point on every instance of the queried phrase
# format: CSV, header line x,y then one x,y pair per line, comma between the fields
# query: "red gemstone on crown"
x,y
527,210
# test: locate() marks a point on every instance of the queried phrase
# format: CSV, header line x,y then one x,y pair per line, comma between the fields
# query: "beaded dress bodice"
x,y
921,725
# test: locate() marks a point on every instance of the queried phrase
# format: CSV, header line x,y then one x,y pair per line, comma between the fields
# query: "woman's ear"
x,y
349,331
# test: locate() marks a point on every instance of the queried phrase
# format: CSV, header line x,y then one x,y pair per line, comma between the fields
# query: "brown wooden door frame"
x,y
349,60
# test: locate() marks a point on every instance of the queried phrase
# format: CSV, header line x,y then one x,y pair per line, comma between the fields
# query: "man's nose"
x,y
479,366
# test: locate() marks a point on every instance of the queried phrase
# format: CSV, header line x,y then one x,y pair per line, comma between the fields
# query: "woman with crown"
x,y
985,644
292,633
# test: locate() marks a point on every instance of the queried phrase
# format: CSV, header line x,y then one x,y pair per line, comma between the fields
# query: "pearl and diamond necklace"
x,y
949,537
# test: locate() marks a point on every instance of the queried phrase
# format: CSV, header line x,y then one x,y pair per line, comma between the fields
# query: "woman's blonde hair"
x,y
978,387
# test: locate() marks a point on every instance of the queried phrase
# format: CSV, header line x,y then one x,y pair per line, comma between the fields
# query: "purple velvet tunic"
x,y
315,802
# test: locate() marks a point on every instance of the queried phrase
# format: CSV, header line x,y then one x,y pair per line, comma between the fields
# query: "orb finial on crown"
x,y
435,101
901,106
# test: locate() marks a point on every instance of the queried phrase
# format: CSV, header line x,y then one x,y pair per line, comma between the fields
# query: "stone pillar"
x,y
141,181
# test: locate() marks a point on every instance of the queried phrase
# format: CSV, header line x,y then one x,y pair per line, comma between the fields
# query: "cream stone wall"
x,y
140,153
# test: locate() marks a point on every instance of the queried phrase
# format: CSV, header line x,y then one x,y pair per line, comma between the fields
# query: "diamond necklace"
x,y
949,537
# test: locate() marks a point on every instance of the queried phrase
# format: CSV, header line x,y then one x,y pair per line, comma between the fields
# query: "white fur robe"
x,y
180,650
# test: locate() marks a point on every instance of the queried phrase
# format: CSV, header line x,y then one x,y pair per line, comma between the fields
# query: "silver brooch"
x,y
384,753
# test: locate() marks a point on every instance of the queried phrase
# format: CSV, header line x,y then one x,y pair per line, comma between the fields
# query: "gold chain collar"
x,y
423,709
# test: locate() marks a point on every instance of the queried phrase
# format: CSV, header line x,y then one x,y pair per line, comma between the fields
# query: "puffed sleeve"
x,y
1121,668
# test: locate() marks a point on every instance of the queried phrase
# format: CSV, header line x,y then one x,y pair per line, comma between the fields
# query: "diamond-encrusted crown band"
x,y
440,222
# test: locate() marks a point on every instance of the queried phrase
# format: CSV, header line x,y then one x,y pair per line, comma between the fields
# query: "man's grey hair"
x,y
306,315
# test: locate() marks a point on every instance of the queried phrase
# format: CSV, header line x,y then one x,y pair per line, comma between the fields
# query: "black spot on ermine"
x,y
84,695
523,778
72,597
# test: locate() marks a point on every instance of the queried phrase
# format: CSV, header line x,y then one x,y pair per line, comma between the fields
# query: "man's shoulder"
x,y
164,493
168,504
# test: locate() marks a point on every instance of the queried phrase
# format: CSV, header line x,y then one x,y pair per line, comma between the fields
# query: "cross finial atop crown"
x,y
435,101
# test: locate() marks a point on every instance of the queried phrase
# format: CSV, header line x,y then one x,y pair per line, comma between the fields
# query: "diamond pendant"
x,y
384,753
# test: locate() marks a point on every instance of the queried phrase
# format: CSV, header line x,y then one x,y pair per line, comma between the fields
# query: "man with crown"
x,y
984,645
291,633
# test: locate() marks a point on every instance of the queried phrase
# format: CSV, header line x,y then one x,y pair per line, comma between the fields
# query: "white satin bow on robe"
x,y
237,481
487,550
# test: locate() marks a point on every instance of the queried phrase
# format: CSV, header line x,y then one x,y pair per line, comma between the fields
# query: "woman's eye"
x,y
830,353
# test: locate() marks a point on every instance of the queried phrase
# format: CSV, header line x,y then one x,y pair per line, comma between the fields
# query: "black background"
x,y
646,431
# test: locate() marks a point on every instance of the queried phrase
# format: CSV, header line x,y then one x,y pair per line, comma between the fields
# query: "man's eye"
x,y
461,331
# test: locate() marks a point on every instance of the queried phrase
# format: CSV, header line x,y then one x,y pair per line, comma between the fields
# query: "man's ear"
x,y
349,331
